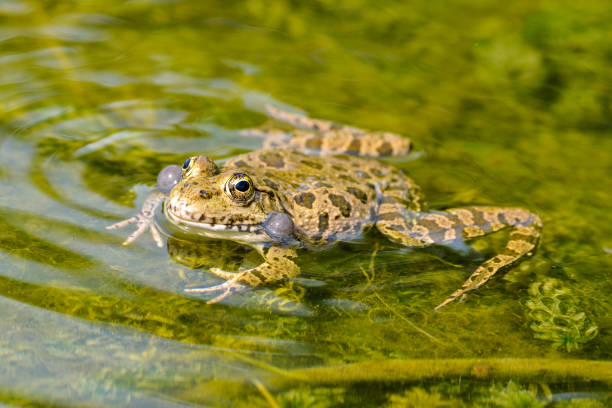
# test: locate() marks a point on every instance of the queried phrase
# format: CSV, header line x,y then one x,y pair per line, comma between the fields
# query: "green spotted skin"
x,y
316,176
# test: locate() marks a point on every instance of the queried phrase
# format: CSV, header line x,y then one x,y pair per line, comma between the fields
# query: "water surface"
x,y
506,105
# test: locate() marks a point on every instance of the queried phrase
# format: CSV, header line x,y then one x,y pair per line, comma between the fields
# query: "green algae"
x,y
555,316
505,107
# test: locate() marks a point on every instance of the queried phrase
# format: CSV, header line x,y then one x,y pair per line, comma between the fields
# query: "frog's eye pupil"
x,y
242,185
186,164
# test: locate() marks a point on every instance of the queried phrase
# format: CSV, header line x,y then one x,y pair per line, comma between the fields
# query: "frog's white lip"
x,y
218,227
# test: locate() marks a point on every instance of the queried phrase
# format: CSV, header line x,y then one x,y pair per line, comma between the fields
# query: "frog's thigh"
x,y
398,227
279,264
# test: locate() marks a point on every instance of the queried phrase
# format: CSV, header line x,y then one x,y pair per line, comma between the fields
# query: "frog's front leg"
x,y
144,220
278,265
445,227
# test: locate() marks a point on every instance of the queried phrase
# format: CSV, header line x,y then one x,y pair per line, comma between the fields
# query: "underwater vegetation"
x,y
556,317
512,396
440,395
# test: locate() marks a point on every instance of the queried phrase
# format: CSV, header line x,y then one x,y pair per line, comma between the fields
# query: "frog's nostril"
x,y
205,194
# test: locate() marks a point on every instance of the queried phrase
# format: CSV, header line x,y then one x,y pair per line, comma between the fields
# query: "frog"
x,y
313,186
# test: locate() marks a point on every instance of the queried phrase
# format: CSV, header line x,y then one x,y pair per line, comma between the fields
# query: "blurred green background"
x,y
507,103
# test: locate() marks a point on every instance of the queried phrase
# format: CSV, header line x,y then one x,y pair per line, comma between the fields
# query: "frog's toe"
x,y
142,224
123,223
156,235
459,294
229,287
144,220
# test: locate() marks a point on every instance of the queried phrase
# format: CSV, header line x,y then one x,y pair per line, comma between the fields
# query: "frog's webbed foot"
x,y
446,227
278,265
144,220
229,287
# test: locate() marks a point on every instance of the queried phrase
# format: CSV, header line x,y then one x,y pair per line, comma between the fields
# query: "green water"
x,y
507,103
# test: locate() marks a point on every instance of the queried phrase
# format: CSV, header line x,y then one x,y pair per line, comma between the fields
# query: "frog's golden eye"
x,y
188,164
240,188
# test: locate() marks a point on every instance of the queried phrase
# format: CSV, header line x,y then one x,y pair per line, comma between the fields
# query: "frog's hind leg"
x,y
324,137
445,227
304,122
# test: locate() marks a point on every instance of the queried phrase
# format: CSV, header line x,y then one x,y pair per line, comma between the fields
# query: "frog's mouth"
x,y
214,227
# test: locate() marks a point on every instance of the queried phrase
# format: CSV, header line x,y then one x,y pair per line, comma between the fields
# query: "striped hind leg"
x,y
323,137
445,227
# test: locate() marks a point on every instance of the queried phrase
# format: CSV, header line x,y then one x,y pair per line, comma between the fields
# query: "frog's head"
x,y
221,204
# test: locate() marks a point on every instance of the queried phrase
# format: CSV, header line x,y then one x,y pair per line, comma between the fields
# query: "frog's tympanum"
x,y
312,187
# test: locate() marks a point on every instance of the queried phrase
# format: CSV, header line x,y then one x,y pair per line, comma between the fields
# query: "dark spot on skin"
x,y
338,168
271,184
376,172
372,186
389,216
362,174
240,163
361,196
186,184
385,149
314,142
348,178
304,199
323,222
321,184
195,183
272,159
346,228
314,165
354,147
343,205
205,194
478,217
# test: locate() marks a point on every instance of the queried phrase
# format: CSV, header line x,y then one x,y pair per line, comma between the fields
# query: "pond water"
x,y
505,105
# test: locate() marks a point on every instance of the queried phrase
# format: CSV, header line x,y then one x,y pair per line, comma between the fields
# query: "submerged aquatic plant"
x,y
311,398
512,396
417,398
555,316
